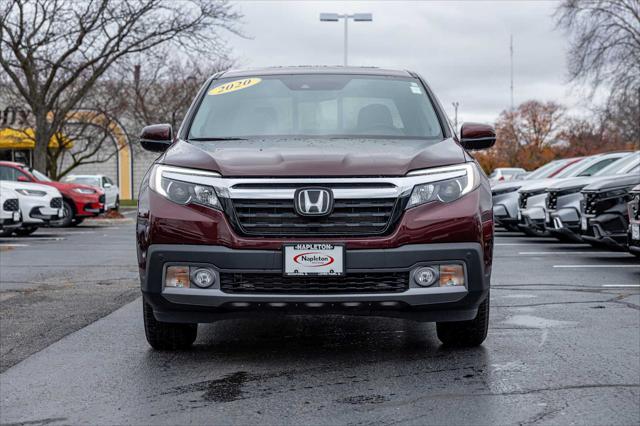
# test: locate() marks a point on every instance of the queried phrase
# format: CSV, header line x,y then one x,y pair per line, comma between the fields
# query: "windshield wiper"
x,y
216,139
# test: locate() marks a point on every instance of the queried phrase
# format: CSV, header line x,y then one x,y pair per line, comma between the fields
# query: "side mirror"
x,y
477,136
157,137
107,185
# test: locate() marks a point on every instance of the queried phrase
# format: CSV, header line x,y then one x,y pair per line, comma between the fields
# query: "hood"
x,y
51,191
538,185
66,186
314,156
614,182
576,182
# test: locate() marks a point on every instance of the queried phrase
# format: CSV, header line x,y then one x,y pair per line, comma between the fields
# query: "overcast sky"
x,y
461,48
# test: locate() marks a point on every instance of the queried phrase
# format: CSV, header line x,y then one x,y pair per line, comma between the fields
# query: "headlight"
x,y
31,192
447,189
614,193
84,190
182,191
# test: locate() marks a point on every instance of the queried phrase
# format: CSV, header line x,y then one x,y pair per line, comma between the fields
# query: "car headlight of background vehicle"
x,y
84,190
445,190
183,191
31,192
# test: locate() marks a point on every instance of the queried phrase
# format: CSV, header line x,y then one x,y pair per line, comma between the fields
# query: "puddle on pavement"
x,y
531,321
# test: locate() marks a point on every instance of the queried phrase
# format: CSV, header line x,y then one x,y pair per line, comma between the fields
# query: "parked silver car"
x,y
505,195
532,212
564,198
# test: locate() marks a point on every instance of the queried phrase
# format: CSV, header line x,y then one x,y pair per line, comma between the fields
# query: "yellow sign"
x,y
26,139
232,86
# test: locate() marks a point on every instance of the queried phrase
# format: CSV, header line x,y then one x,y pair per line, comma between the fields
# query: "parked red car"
x,y
79,201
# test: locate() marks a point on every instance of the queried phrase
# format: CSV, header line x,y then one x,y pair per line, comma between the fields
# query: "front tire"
x,y
67,219
466,333
165,335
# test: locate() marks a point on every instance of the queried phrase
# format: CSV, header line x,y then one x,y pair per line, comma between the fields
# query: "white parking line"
x,y
75,232
621,285
518,244
34,238
541,253
596,266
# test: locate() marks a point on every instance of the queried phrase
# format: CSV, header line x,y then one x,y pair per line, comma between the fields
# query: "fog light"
x,y
203,277
177,276
451,275
425,276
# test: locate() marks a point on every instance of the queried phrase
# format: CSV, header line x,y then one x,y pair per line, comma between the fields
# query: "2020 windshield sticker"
x,y
233,86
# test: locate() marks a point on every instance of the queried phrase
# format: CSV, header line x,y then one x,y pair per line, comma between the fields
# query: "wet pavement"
x,y
563,347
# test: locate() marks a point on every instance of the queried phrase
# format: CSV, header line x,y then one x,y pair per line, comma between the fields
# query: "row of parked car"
x,y
592,199
29,199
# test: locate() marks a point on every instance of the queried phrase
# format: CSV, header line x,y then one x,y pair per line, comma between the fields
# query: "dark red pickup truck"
x,y
315,190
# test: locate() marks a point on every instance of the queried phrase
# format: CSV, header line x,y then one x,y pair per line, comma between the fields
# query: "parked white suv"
x,y
39,204
111,190
10,217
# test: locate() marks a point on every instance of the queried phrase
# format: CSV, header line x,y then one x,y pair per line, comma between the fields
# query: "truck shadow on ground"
x,y
245,359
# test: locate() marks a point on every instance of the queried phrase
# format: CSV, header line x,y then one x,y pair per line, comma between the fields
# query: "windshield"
x,y
621,166
546,170
341,106
86,180
39,176
573,169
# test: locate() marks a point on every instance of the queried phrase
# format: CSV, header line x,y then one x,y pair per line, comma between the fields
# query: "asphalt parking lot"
x,y
563,347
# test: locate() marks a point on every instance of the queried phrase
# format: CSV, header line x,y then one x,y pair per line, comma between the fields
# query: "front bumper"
x,y
565,223
87,205
10,219
634,243
608,228
420,304
36,211
533,218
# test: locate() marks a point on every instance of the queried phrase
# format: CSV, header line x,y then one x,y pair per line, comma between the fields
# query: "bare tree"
x,y
55,51
162,89
605,44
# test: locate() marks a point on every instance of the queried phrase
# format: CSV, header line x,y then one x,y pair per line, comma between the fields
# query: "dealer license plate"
x,y
584,222
635,231
313,259
16,216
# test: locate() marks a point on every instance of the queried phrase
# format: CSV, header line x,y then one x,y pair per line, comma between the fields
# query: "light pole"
x,y
335,17
455,120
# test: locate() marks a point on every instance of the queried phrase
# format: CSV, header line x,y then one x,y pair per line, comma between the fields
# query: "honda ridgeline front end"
x,y
315,191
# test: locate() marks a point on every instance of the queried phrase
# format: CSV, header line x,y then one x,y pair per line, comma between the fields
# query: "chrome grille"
x,y
56,203
11,205
372,216
388,282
